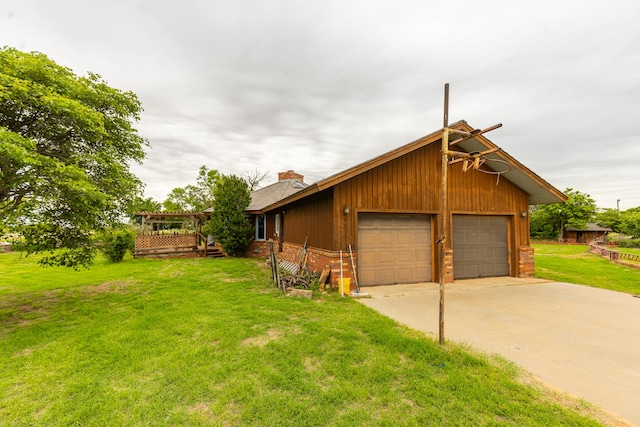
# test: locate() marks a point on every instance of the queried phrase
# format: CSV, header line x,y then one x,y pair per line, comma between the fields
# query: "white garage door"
x,y
394,248
480,246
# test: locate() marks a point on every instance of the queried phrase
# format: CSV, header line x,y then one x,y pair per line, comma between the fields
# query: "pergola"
x,y
159,234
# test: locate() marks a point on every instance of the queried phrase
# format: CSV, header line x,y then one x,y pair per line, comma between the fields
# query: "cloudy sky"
x,y
319,86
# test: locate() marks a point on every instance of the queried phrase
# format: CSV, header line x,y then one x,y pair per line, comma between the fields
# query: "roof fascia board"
x,y
400,151
358,169
514,163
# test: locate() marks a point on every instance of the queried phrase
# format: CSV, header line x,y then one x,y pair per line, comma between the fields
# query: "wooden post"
x,y
471,161
444,208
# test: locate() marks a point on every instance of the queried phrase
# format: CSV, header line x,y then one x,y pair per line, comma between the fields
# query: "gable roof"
x,y
539,190
590,226
273,193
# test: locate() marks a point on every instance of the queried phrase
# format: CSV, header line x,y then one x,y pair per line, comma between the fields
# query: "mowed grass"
x,y
575,264
211,342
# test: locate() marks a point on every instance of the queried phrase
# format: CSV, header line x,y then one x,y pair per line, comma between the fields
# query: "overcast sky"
x,y
319,86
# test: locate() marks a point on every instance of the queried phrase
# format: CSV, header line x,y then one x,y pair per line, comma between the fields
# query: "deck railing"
x,y
166,241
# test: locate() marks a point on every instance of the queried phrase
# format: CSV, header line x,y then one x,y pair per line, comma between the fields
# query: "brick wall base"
x,y
317,259
448,262
526,263
260,249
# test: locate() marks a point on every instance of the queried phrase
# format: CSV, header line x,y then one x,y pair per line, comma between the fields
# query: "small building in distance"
x,y
589,233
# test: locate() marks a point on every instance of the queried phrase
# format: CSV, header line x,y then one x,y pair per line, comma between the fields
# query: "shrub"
x,y
622,240
629,243
115,244
229,223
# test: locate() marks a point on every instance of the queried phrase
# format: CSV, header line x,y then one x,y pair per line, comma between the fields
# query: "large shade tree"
x,y
548,221
66,143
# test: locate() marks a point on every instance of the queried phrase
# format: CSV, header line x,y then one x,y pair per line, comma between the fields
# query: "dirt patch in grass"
x,y
230,280
24,310
206,412
201,409
172,270
24,352
311,364
262,340
554,395
117,286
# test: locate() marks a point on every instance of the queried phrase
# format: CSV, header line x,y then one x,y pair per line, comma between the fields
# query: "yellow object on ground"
x,y
345,285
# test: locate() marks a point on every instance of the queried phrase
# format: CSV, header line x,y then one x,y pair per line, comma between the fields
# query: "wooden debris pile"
x,y
301,280
289,276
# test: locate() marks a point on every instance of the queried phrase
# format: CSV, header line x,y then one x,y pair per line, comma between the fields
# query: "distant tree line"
x,y
548,221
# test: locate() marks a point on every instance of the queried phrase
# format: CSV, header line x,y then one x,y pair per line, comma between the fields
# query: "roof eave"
x,y
539,190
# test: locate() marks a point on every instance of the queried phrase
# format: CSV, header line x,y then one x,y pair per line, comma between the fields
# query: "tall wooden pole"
x,y
444,210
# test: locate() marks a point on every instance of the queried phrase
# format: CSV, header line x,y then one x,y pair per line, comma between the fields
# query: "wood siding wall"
x,y
411,184
310,219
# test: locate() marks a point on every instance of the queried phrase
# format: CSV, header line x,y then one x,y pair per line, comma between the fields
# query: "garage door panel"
x,y
486,253
403,256
501,251
365,222
480,246
384,257
470,270
421,237
366,275
398,252
471,253
404,274
367,238
384,239
403,238
367,257
487,269
472,237
385,275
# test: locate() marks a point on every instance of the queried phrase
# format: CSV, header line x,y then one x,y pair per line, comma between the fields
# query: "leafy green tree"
x,y
229,223
610,218
140,204
194,198
630,222
66,143
542,225
548,221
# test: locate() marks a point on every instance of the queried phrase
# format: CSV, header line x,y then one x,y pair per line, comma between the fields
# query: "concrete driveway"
x,y
582,340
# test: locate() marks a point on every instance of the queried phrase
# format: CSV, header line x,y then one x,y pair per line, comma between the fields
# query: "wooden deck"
x,y
173,245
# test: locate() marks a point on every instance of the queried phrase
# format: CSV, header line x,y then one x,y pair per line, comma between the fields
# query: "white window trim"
x,y
264,230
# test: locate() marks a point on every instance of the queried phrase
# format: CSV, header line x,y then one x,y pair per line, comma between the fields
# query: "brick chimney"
x,y
290,175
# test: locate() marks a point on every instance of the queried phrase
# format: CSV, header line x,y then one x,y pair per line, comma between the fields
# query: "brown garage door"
x,y
394,248
480,246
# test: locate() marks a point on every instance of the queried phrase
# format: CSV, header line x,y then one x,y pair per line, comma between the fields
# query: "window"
x,y
261,227
278,225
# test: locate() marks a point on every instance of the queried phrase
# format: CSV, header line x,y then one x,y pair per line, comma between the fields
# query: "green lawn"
x,y
211,342
575,264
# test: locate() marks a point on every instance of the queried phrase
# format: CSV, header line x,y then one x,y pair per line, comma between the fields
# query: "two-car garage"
x,y
398,248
